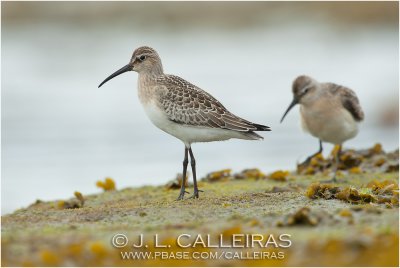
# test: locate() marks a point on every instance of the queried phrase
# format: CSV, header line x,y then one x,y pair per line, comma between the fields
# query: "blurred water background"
x,y
60,133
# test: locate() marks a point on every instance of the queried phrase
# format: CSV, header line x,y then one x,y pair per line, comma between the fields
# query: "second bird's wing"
x,y
187,104
349,101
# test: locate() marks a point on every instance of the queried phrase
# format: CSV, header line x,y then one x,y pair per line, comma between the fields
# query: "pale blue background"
x,y
60,133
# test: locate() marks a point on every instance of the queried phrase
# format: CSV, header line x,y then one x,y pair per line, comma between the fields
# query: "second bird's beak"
x,y
294,102
124,69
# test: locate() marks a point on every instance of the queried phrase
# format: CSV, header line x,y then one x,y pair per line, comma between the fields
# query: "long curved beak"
x,y
294,102
124,69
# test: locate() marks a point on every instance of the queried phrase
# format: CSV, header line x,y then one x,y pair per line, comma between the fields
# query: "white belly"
x,y
187,134
333,126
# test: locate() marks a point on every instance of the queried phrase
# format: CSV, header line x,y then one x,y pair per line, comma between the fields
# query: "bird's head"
x,y
144,60
303,89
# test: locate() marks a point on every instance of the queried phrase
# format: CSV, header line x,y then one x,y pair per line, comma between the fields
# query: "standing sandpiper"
x,y
184,110
328,111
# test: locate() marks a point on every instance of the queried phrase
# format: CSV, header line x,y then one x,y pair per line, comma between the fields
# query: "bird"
x,y
183,110
328,111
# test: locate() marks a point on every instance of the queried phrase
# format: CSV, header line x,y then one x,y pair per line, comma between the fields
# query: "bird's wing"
x,y
187,104
349,101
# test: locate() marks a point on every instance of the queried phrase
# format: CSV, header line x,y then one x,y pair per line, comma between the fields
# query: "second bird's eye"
x,y
142,58
305,90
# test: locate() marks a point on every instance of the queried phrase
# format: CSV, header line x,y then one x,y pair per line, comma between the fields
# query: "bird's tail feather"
x,y
261,127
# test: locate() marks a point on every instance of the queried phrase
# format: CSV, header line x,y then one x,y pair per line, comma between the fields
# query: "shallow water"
x,y
60,133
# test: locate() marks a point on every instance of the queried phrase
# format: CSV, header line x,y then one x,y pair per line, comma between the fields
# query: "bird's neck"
x,y
146,83
147,78
148,75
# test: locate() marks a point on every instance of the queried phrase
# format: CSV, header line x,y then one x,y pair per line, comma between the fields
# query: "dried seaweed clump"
x,y
74,203
386,192
220,175
355,170
316,165
177,182
349,194
253,173
303,216
349,159
280,175
107,185
325,191
50,258
345,213
374,159
383,187
354,196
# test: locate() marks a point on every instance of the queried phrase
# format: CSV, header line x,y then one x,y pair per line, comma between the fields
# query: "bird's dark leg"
x,y
185,164
337,160
193,164
307,161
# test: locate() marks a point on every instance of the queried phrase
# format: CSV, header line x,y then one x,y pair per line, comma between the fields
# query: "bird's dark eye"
x,y
142,58
305,90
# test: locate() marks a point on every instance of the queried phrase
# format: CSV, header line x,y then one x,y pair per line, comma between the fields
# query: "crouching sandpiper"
x,y
328,111
183,110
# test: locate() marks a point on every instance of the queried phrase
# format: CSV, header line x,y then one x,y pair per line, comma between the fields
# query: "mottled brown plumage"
x,y
185,103
183,110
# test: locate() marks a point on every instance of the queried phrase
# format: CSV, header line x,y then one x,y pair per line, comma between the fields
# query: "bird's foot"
x,y
181,195
195,194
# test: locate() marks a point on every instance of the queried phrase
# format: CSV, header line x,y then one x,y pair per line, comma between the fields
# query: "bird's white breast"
x,y
157,115
187,134
328,122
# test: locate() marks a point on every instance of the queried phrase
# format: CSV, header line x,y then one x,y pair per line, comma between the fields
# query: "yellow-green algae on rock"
x,y
325,228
